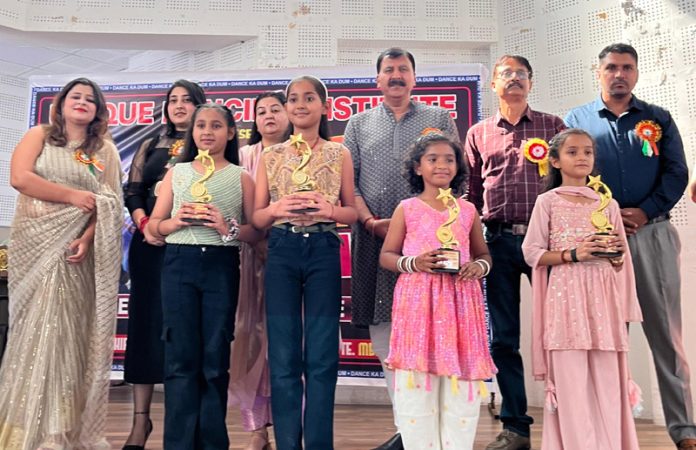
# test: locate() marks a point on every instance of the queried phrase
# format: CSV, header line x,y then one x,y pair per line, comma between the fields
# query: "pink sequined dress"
x,y
438,320
582,306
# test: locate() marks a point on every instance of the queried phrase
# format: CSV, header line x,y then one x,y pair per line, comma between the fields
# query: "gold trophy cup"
x,y
599,220
446,236
302,181
199,191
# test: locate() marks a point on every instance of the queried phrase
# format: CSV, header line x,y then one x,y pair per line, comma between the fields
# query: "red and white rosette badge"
x,y
537,151
650,133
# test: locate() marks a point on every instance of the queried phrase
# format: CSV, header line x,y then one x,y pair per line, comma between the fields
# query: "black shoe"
x,y
394,443
147,435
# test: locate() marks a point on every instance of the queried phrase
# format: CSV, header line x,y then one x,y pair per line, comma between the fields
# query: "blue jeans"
x,y
303,302
503,296
200,285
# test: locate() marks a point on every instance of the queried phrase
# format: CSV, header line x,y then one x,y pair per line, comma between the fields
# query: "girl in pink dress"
x,y
582,304
439,345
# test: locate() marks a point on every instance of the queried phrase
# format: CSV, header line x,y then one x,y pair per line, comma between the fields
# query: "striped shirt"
x,y
503,184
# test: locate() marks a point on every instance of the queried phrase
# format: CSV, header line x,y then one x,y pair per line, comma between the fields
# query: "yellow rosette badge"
x,y
650,133
537,151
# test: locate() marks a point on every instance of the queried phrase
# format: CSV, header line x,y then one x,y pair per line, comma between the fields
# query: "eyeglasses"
x,y
510,74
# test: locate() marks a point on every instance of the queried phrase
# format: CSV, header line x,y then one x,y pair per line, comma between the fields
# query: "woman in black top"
x,y
144,361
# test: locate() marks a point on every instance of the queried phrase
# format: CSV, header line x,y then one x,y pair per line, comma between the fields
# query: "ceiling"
x,y
24,53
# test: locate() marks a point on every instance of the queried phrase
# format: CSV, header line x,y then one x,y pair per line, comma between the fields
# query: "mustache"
x,y
397,82
514,83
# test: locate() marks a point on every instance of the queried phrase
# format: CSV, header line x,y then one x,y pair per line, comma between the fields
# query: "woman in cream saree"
x,y
64,263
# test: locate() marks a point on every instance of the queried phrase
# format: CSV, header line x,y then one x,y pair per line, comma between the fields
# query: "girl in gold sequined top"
x,y
304,187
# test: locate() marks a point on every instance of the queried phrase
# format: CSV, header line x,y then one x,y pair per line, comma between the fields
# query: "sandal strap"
x,y
142,412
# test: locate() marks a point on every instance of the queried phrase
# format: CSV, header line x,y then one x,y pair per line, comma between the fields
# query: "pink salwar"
x,y
592,396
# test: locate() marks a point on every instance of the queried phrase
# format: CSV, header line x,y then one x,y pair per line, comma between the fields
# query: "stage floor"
x,y
357,427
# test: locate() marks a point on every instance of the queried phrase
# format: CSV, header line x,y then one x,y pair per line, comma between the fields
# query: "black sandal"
x,y
147,433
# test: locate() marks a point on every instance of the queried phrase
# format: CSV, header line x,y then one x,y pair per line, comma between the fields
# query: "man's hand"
x,y
633,219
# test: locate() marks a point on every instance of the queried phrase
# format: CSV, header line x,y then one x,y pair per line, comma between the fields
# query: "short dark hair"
x,y
395,52
255,135
618,48
195,91
520,59
416,152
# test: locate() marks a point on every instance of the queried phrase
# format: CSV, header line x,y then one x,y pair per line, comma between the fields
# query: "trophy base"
x,y
609,253
451,264
199,208
197,221
304,210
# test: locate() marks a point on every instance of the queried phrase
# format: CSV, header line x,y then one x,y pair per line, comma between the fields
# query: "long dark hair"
x,y
231,150
416,152
554,178
197,98
323,94
97,128
255,135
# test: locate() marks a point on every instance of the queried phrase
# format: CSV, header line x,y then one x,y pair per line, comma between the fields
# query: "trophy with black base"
x,y
199,191
302,181
599,219
446,236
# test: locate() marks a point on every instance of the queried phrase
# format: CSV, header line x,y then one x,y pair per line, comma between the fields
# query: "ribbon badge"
x,y
537,151
174,152
430,130
89,161
650,133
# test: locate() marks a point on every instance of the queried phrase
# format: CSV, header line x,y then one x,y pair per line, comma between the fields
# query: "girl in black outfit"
x,y
144,360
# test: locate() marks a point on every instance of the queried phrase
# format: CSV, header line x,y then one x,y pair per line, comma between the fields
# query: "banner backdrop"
x,y
135,102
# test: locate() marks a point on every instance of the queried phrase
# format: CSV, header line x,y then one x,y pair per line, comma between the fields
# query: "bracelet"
x,y
332,211
574,255
367,220
563,260
400,264
412,265
232,231
143,221
406,264
485,266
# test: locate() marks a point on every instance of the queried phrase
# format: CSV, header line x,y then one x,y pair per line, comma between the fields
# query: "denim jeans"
x,y
200,285
503,296
303,302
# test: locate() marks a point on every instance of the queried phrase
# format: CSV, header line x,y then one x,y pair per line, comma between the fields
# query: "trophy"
x,y
199,191
599,219
302,181
446,236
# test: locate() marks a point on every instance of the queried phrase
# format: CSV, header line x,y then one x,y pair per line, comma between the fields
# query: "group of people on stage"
x,y
257,261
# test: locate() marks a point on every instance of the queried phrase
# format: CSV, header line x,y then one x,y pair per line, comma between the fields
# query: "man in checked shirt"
x,y
503,185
